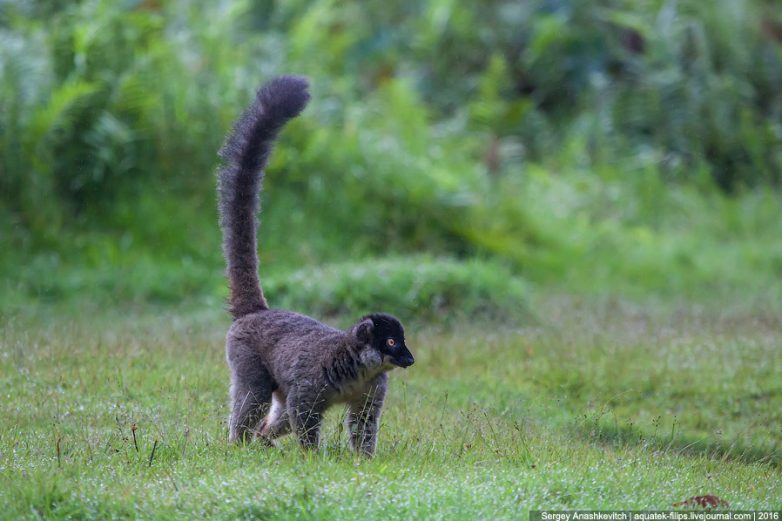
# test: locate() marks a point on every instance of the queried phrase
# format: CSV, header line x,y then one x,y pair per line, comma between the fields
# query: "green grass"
x,y
600,403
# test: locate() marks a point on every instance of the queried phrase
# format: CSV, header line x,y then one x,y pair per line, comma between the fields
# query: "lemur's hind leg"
x,y
251,391
276,423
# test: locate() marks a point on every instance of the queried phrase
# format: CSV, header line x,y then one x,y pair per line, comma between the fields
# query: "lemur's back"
x,y
282,339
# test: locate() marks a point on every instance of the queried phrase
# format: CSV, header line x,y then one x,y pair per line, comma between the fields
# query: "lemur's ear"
x,y
364,331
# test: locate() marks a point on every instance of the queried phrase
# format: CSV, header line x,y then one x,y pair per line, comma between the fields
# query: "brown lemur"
x,y
286,368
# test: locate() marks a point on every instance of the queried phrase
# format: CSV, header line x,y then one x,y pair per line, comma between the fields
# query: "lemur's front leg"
x,y
305,409
363,418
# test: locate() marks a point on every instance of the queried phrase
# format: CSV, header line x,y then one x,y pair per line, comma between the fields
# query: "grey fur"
x,y
286,368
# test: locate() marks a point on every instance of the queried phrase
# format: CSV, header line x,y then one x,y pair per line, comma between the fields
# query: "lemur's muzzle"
x,y
404,360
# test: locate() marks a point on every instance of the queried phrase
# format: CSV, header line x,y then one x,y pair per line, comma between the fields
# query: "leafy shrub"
x,y
413,288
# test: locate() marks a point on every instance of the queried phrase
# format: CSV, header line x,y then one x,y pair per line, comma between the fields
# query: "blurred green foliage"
x,y
595,144
432,290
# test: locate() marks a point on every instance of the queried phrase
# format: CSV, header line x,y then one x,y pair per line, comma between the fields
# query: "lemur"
x,y
286,368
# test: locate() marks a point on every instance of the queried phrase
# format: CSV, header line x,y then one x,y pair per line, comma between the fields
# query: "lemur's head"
x,y
384,334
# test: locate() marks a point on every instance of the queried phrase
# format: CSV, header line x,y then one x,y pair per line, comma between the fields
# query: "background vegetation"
x,y
600,178
631,146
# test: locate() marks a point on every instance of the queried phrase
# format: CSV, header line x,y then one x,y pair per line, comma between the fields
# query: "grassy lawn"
x,y
597,404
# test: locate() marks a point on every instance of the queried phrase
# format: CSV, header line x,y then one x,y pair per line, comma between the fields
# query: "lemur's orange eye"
x,y
390,342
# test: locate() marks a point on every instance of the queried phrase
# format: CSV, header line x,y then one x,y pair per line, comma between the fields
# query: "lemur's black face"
x,y
388,337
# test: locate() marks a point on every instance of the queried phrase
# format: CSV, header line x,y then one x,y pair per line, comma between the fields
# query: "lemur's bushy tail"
x,y
245,153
